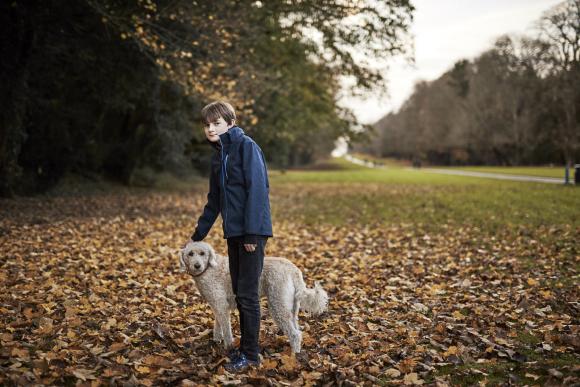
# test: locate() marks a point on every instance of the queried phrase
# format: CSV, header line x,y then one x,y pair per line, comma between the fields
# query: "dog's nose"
x,y
197,265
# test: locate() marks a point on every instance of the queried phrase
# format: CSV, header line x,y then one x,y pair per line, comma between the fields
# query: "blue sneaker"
x,y
233,354
240,364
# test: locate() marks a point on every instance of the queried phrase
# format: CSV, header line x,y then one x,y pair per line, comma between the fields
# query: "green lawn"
x,y
541,171
396,195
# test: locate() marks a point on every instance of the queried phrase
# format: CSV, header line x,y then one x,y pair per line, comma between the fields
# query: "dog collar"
x,y
197,275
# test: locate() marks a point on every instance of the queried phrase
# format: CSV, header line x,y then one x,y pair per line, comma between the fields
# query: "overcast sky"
x,y
446,31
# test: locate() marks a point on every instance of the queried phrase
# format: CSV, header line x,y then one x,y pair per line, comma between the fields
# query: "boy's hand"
x,y
249,247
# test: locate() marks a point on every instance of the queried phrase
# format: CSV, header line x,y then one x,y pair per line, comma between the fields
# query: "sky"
x,y
446,31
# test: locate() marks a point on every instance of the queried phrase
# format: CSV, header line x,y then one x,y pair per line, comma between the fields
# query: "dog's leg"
x,y
293,334
217,330
281,309
295,311
223,318
227,331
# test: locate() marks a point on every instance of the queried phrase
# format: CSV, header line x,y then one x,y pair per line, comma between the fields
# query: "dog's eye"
x,y
190,254
202,253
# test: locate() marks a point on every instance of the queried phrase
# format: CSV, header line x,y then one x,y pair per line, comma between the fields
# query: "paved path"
x,y
356,160
501,176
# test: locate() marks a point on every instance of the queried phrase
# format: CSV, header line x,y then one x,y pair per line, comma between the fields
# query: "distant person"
x,y
416,162
239,190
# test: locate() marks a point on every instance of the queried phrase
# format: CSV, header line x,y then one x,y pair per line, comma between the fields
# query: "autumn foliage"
x,y
92,294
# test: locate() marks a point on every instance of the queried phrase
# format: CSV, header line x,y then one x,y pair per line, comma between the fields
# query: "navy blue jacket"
x,y
241,193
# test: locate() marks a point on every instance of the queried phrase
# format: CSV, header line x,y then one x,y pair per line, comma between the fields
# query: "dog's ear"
x,y
181,262
212,258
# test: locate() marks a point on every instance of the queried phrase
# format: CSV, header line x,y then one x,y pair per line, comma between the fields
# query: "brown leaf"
x,y
83,374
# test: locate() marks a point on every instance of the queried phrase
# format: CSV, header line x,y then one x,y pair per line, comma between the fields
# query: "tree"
x,y
110,88
516,103
560,28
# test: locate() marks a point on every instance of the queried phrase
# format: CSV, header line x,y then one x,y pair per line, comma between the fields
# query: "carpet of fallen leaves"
x,y
91,294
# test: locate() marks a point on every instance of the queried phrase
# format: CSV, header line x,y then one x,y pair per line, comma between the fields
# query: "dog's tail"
x,y
314,301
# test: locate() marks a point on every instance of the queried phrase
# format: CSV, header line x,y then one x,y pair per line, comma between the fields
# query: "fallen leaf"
x,y
412,378
83,374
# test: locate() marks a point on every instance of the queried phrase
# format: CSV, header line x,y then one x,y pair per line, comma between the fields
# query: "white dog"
x,y
281,282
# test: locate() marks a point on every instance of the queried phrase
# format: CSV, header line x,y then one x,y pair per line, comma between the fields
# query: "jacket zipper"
x,y
224,188
226,166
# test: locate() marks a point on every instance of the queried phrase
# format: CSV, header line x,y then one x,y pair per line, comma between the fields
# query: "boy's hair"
x,y
217,109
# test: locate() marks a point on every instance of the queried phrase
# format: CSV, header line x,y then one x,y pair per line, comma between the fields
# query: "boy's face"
x,y
215,128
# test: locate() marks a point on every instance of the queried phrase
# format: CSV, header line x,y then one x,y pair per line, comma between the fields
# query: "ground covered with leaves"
x,y
92,294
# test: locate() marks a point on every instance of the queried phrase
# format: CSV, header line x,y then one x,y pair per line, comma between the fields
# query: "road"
x,y
500,176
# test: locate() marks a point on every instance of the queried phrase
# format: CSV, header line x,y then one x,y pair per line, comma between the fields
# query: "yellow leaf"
x,y
44,326
458,315
20,353
407,365
289,363
450,351
143,369
111,323
412,378
535,377
311,375
269,364
532,282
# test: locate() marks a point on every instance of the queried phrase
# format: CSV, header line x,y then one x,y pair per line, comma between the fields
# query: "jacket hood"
x,y
234,134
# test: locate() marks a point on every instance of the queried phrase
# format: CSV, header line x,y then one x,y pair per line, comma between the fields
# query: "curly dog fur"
x,y
281,283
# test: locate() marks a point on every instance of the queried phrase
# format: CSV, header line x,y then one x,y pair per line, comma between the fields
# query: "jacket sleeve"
x,y
256,178
250,239
210,211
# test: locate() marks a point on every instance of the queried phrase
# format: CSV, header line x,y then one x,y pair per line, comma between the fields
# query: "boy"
x,y
238,189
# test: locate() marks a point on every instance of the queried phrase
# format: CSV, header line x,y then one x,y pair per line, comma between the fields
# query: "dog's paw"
x,y
302,357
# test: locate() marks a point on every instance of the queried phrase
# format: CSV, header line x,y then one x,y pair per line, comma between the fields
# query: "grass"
x,y
144,181
360,194
533,372
540,171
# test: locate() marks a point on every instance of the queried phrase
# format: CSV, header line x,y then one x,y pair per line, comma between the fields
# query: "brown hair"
x,y
217,109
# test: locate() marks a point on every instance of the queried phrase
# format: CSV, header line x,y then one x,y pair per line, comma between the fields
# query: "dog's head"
x,y
195,257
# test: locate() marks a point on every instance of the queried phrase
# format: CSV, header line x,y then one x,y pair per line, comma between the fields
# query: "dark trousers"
x,y
245,271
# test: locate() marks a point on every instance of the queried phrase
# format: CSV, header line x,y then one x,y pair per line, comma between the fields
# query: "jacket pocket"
x,y
235,171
